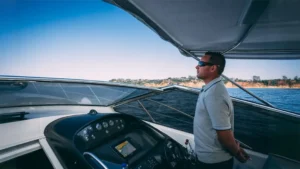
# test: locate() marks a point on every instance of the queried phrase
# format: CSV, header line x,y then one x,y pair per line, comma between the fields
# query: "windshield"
x,y
24,93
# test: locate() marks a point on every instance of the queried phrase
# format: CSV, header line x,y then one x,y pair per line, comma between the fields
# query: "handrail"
x,y
171,117
263,101
161,115
147,111
184,88
172,108
119,103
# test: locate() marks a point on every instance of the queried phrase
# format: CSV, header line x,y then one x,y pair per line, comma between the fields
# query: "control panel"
x,y
149,163
109,140
101,129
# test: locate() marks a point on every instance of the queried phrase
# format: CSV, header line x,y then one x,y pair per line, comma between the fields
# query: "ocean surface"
x,y
285,99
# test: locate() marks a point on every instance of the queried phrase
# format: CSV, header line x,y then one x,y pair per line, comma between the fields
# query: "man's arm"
x,y
227,140
219,114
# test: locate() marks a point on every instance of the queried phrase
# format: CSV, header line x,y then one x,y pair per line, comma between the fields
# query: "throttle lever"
x,y
187,142
192,157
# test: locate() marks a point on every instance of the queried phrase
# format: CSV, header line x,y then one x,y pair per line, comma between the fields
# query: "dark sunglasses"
x,y
202,64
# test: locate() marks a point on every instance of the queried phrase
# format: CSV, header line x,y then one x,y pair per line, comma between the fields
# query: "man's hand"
x,y
241,155
227,140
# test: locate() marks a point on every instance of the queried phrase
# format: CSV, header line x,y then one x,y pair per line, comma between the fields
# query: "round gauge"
x,y
105,124
98,126
111,123
84,132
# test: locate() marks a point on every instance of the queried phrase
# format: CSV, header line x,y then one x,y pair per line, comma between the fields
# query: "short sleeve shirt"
x,y
214,111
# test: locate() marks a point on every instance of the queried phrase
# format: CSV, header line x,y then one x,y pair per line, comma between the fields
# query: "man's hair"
x,y
217,59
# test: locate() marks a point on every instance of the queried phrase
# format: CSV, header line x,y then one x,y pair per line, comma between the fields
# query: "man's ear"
x,y
213,68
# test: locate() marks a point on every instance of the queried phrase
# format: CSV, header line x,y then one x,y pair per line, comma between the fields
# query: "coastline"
x,y
196,83
228,85
266,87
260,85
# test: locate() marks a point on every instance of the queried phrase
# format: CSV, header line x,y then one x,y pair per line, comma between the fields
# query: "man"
x,y
215,144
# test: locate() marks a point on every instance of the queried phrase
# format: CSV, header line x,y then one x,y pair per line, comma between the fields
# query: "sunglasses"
x,y
202,64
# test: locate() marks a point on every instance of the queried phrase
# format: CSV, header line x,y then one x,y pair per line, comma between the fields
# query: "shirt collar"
x,y
211,83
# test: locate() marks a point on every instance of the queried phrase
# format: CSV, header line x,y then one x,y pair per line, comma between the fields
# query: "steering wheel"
x,y
174,155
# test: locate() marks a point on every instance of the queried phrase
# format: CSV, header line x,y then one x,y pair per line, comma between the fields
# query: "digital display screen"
x,y
125,148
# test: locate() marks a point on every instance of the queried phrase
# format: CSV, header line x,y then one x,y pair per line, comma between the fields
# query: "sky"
x,y
97,41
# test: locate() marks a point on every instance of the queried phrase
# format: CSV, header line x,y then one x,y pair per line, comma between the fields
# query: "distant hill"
x,y
193,81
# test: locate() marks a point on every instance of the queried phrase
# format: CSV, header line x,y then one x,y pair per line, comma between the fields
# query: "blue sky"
x,y
95,40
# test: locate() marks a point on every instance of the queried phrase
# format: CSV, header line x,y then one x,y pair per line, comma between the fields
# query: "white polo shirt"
x,y
214,111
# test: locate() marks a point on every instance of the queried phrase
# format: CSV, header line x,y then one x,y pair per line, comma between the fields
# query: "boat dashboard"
x,y
102,141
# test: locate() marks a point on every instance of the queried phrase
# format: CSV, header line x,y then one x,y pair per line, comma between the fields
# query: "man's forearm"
x,y
227,140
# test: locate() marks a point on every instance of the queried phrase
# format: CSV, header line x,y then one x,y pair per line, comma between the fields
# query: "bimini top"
x,y
243,29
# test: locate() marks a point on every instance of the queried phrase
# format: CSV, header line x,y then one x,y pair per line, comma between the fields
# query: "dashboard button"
x,y
86,138
139,167
84,132
111,123
98,126
89,130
